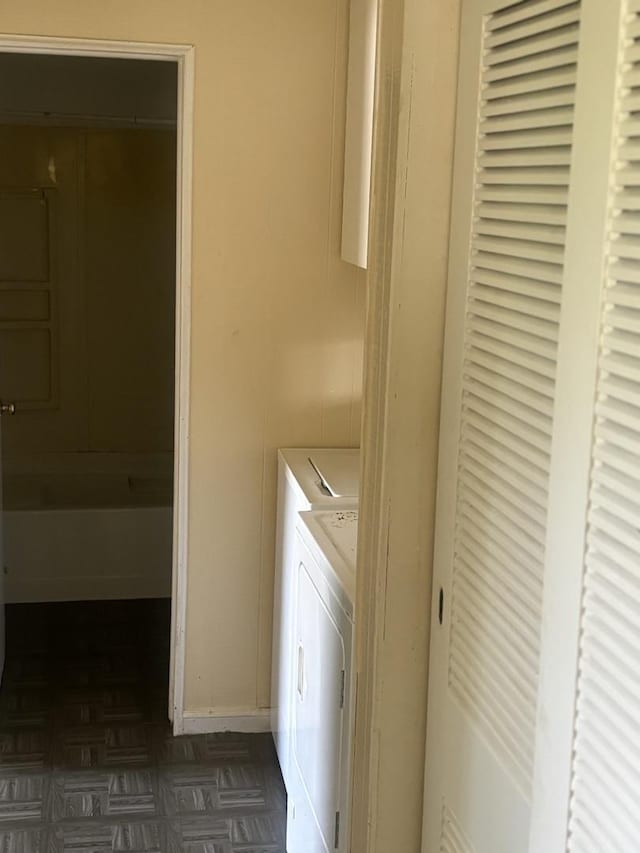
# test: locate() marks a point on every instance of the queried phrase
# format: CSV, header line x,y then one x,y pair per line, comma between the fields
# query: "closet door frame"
x,y
572,439
183,56
416,72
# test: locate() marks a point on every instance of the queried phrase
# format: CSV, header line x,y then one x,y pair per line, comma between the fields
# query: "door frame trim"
x,y
408,250
183,55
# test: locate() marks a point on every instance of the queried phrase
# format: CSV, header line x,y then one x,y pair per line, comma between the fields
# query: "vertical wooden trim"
x,y
372,524
182,392
574,420
413,157
358,131
184,56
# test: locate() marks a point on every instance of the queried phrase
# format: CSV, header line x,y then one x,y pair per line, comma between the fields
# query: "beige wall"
x,y
277,318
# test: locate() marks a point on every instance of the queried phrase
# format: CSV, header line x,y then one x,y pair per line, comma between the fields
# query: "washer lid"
x,y
331,537
308,484
339,472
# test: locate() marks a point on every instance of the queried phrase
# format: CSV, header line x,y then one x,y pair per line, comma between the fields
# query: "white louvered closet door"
x,y
587,788
517,94
605,805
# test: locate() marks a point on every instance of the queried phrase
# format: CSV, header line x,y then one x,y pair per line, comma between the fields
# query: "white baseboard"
x,y
232,720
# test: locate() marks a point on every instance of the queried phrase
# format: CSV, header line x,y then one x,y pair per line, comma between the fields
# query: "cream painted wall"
x,y
277,318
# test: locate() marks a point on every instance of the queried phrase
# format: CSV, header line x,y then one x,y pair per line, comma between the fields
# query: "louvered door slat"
x,y
625,352
606,770
627,177
479,600
507,417
506,398
532,101
508,368
523,250
536,214
532,327
524,176
618,414
556,77
515,13
630,103
632,80
522,193
552,20
479,490
624,730
512,300
606,754
618,476
513,542
619,461
537,64
452,837
610,574
487,448
623,294
626,509
485,338
623,387
513,388
515,710
488,562
631,127
632,53
607,826
631,151
529,138
528,122
525,157
485,455
530,349
511,283
545,43
480,611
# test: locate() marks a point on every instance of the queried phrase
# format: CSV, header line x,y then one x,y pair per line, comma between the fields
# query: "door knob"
x,y
7,408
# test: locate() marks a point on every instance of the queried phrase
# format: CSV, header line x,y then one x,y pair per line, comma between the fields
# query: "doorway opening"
x,y
94,328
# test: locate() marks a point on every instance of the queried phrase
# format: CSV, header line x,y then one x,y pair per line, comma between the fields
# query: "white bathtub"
x,y
88,526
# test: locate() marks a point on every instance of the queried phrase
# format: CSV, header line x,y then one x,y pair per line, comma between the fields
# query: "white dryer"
x,y
308,479
322,705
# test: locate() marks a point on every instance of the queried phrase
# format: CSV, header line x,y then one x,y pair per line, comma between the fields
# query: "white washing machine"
x,y
308,479
322,706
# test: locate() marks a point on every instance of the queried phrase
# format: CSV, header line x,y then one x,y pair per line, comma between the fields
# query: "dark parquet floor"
x,y
87,759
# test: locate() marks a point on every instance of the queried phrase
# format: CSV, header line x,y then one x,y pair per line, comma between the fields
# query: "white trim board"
x,y
235,720
183,56
411,190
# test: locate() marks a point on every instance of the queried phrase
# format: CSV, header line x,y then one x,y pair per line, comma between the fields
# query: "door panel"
x,y
605,778
512,173
24,237
28,321
318,715
42,307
